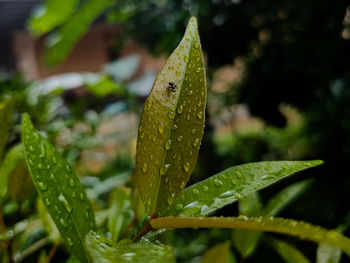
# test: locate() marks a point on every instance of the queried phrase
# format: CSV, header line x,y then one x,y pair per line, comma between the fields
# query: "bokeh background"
x,y
278,89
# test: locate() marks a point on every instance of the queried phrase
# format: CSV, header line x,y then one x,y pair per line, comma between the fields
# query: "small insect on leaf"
x,y
59,189
171,126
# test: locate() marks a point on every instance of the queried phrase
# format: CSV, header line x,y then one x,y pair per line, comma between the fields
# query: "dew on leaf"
x,y
161,128
186,166
144,167
217,183
200,115
82,196
168,144
205,188
196,142
180,109
42,186
179,139
69,242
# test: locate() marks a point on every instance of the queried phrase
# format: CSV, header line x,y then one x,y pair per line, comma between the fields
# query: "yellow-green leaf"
x,y
219,253
48,223
59,188
288,252
172,124
6,111
291,227
233,184
20,183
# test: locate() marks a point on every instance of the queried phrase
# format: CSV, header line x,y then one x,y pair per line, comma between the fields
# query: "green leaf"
x,y
232,184
50,15
270,224
12,158
328,254
6,112
47,222
284,197
246,241
288,252
104,86
20,183
62,42
103,250
120,213
172,124
219,253
59,188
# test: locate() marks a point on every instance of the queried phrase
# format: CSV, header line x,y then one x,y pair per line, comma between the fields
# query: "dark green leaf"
x,y
50,15
172,124
220,253
270,224
120,213
232,184
59,188
12,158
103,250
20,183
288,252
6,111
62,42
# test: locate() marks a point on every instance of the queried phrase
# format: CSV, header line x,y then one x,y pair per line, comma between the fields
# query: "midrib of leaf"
x,y
270,224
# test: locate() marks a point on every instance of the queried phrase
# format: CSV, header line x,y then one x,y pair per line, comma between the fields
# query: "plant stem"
x,y
18,257
2,224
144,230
52,252
127,229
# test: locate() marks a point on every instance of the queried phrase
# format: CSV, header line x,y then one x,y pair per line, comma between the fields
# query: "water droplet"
x,y
168,144
40,166
164,169
42,186
52,176
190,92
63,223
198,70
238,174
170,199
199,103
69,242
144,168
266,177
178,73
217,182
196,142
193,131
179,139
171,115
186,166
205,188
68,167
180,109
200,115
195,191
170,67
188,117
31,148
47,201
161,128
228,194
54,160
284,166
196,45
30,161
178,206
182,185
234,182
186,59
65,203
82,196
142,135
71,182
149,202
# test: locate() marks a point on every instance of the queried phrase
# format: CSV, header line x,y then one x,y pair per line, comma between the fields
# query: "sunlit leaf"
x,y
246,241
47,222
232,184
220,253
61,43
20,184
288,252
6,111
328,254
50,15
12,158
291,227
120,213
59,188
284,197
172,124
103,250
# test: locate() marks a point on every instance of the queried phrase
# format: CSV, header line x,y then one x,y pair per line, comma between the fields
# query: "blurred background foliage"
x,y
278,88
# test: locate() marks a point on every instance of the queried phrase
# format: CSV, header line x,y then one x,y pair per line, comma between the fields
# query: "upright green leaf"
x,y
6,111
20,183
288,252
11,160
172,124
59,188
62,42
47,222
270,224
51,14
328,254
219,253
103,250
232,184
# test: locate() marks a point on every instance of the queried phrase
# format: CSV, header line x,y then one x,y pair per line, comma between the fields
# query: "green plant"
x,y
170,133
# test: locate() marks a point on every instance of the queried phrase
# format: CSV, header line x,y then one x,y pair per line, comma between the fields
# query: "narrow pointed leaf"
x,y
20,183
291,227
232,184
59,188
219,253
103,250
172,124
47,222
288,252
284,197
11,160
6,111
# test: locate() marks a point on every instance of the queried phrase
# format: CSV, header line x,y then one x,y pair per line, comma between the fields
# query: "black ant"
x,y
172,86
